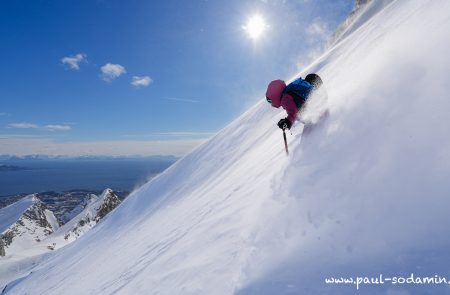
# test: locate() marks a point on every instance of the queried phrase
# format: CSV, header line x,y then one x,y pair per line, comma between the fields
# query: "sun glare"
x,y
255,26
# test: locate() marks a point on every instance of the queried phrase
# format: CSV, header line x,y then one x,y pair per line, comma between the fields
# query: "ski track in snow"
x,y
364,193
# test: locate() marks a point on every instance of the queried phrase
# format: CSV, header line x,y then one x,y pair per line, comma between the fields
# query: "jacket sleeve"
x,y
288,103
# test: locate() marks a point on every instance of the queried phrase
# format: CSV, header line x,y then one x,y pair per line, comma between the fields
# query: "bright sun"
x,y
255,27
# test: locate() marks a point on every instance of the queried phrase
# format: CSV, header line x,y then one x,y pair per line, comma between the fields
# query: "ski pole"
x,y
285,141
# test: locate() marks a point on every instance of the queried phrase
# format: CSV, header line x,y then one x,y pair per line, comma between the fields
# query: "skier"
x,y
292,97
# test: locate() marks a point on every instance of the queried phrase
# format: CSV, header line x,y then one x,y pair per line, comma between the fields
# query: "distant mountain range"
x,y
12,168
99,157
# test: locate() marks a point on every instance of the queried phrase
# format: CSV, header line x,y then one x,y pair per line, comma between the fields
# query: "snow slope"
x,y
364,193
12,213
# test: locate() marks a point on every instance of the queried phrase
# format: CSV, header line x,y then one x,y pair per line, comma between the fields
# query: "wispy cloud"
x,y
21,145
318,29
112,71
23,125
141,81
58,127
317,34
3,114
10,136
73,62
182,100
50,127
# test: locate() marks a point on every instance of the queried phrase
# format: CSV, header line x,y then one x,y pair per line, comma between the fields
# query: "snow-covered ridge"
x,y
365,192
28,222
31,230
364,10
95,210
12,213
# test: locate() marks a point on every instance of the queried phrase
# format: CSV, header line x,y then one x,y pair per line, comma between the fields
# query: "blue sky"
x,y
141,77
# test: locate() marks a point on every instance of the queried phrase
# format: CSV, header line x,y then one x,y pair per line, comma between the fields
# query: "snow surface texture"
x,y
364,193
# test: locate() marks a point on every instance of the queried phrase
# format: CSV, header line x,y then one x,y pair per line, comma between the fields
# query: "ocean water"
x,y
40,175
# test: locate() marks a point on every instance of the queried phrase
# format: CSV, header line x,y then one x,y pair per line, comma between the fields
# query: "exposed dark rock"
x,y
37,213
362,2
33,222
111,201
2,246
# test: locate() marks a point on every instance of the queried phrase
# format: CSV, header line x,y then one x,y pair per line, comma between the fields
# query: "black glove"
x,y
284,124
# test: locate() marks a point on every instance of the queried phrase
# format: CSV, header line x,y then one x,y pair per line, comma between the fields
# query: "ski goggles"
x,y
269,100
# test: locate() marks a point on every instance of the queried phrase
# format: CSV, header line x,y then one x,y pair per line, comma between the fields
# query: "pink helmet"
x,y
274,91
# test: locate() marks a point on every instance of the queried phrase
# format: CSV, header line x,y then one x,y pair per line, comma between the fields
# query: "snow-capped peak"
x,y
95,210
34,230
26,226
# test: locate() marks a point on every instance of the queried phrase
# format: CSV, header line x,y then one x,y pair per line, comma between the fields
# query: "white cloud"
x,y
73,62
58,127
50,127
112,71
317,34
318,29
141,81
23,126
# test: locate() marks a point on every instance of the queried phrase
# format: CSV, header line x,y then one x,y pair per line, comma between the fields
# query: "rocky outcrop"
x,y
110,202
35,223
2,247
361,2
95,210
